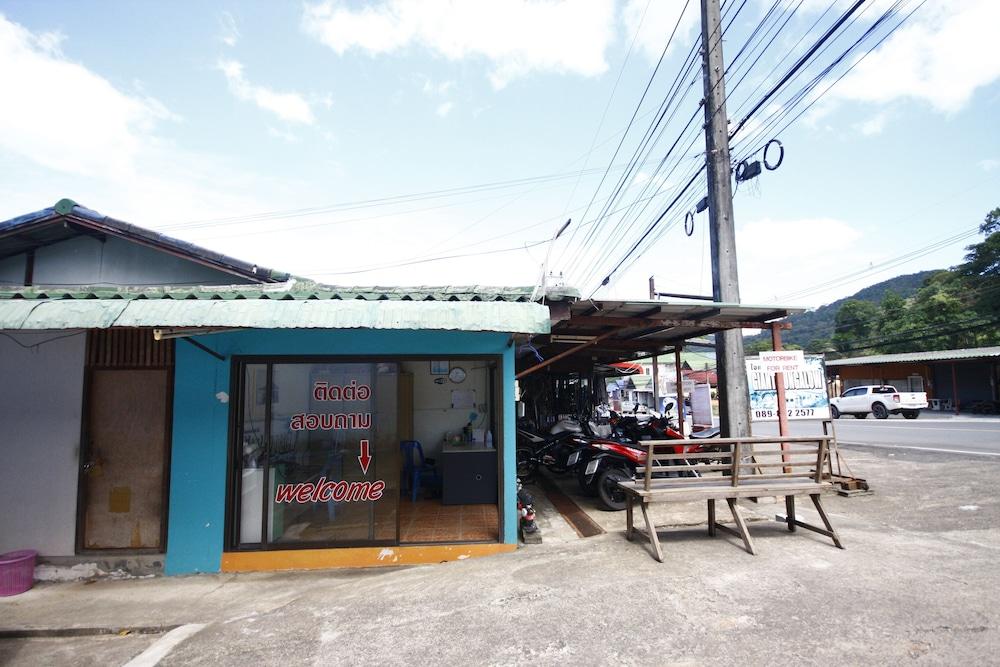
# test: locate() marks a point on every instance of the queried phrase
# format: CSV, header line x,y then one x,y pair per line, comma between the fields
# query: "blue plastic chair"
x,y
416,468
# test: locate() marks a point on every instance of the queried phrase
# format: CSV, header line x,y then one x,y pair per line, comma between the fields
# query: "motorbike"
x,y
552,451
608,462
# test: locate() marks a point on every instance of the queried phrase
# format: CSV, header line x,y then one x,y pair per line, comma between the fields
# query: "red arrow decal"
x,y
365,457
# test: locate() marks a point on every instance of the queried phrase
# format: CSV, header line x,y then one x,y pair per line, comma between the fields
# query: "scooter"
x,y
610,462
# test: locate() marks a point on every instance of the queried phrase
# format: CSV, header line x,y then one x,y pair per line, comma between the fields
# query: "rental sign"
x,y
323,490
805,385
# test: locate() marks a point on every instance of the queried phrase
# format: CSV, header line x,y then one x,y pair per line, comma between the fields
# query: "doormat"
x,y
567,507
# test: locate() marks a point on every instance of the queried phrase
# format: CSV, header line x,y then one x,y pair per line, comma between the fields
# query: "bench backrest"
x,y
759,458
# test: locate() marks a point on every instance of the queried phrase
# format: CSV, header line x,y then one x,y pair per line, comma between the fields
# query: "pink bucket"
x,y
17,571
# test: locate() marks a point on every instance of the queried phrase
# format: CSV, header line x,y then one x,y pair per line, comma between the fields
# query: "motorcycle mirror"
x,y
668,406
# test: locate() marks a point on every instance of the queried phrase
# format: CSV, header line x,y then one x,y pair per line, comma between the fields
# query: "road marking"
x,y
164,645
929,428
922,449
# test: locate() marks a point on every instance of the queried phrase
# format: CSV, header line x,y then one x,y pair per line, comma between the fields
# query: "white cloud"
x,y
989,164
284,135
291,107
874,125
229,31
440,88
66,117
517,36
941,56
444,109
73,133
779,256
655,21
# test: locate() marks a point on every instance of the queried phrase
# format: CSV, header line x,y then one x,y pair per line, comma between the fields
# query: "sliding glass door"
x,y
317,454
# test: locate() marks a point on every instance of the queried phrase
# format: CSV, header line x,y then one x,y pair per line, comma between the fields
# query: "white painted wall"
x,y
41,400
432,411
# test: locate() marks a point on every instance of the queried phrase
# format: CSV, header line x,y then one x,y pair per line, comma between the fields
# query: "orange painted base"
x,y
321,559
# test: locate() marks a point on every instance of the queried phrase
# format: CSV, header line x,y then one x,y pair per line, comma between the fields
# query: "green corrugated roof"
x,y
48,314
918,357
290,291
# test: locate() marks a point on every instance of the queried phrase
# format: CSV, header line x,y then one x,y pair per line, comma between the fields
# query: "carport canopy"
x,y
604,332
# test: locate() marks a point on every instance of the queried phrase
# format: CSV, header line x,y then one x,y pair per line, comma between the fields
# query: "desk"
x,y
468,475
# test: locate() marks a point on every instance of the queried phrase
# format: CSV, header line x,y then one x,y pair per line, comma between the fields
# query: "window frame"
x,y
237,365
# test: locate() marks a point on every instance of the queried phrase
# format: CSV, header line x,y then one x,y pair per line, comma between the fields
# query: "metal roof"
x,y
637,329
99,313
586,334
917,357
67,220
291,290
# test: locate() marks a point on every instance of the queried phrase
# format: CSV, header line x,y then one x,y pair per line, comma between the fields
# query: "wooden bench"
x,y
742,468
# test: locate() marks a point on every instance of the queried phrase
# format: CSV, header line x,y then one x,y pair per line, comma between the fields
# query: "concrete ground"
x,y
918,582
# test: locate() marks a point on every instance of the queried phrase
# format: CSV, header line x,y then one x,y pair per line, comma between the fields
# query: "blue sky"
x,y
177,116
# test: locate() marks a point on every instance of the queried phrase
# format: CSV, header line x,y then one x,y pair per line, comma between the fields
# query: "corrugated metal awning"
x,y
51,314
918,357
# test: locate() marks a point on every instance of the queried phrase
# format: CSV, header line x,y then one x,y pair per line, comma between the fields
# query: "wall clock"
x,y
457,374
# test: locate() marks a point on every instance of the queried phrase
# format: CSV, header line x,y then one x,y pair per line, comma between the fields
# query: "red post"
x,y
779,382
779,387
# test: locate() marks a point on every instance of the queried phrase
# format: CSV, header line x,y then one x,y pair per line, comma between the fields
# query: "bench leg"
x,y
826,520
790,512
828,531
711,517
629,520
742,526
651,529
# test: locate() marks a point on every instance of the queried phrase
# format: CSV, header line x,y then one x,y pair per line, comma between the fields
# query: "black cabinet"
x,y
468,475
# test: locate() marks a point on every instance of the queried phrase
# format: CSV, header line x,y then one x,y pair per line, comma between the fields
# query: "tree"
x,y
855,325
894,320
982,267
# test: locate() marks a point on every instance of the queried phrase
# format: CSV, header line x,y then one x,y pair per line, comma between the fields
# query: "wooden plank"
x,y
711,517
749,440
826,520
648,475
820,458
735,474
629,519
744,533
654,540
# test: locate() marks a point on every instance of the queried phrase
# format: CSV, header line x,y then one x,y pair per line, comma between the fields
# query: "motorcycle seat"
x,y
707,433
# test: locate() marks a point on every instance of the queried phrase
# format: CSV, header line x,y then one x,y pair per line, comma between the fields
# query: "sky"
x,y
424,142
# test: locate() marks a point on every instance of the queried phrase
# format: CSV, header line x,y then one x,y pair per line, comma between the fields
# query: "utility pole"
x,y
734,401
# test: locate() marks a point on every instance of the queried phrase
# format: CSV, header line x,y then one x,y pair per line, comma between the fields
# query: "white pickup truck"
x,y
880,400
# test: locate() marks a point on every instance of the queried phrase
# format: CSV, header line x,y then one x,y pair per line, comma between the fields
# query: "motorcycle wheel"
x,y
608,492
526,466
586,488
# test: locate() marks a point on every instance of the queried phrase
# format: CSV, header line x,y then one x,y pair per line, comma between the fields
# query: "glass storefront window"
x,y
321,439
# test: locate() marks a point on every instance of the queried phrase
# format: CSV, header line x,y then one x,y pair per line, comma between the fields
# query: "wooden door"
x,y
123,460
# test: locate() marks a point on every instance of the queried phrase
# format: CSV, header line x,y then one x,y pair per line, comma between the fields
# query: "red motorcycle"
x,y
609,461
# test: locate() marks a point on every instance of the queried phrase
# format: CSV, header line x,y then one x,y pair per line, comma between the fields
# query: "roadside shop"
x,y
244,419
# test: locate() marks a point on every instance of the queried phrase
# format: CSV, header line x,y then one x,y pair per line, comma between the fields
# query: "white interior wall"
x,y
41,401
432,411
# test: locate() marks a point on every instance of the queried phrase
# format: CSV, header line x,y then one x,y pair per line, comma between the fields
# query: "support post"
x,y
734,401
954,387
680,390
656,382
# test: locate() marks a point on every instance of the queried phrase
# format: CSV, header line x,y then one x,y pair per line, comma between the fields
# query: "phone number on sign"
x,y
792,412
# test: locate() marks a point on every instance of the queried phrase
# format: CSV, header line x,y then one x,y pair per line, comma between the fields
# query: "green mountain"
x,y
819,323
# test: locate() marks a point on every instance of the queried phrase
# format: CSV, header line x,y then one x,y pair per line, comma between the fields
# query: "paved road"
x,y
965,435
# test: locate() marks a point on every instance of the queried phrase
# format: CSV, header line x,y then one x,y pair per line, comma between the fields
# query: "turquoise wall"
x,y
196,523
